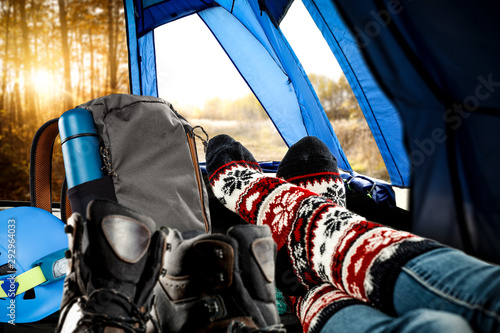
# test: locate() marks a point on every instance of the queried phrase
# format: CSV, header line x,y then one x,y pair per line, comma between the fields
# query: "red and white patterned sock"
x,y
318,305
318,241
310,164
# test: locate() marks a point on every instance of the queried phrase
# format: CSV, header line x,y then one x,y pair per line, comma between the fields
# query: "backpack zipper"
x,y
194,156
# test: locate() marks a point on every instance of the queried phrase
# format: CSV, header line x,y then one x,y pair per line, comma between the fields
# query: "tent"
x,y
426,75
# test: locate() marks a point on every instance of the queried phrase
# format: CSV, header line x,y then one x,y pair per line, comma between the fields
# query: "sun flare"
x,y
41,79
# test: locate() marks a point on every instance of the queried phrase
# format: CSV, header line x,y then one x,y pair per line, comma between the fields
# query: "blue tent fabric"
x,y
260,71
426,75
153,13
281,85
133,48
380,114
142,16
147,54
438,63
279,55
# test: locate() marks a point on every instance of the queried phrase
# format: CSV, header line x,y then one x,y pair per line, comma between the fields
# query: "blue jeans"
x,y
443,290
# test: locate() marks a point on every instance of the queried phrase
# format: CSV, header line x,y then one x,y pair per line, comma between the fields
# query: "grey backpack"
x,y
149,155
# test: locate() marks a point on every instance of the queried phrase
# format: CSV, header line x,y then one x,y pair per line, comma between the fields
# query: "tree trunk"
x,y
5,61
27,61
112,60
68,98
15,109
81,67
35,17
92,69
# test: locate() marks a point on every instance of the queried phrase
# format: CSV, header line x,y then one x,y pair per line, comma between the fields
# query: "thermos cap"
x,y
80,147
76,122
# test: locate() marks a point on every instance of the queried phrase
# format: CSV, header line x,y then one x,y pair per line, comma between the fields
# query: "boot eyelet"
x,y
68,229
219,253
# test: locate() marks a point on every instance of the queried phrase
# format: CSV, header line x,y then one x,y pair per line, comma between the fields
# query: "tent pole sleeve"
x,y
133,48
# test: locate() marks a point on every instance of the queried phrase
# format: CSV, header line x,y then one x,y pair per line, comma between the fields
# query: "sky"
x,y
193,68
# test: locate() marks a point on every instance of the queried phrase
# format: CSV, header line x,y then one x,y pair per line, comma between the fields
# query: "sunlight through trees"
x,y
54,55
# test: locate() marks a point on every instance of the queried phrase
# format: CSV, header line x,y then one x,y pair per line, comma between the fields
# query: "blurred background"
x,y
57,54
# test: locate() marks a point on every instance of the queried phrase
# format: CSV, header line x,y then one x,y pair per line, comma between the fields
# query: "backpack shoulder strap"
x,y
66,210
41,168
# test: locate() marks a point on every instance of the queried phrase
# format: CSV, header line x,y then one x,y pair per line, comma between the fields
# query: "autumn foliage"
x,y
55,55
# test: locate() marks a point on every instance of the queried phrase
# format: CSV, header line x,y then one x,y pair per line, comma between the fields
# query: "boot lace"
x,y
134,323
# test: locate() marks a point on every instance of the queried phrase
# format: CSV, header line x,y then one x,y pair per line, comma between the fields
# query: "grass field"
x,y
265,143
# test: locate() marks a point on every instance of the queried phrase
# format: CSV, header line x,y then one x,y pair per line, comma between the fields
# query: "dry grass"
x,y
360,147
265,143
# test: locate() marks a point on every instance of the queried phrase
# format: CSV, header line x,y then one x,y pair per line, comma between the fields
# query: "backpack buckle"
x,y
215,308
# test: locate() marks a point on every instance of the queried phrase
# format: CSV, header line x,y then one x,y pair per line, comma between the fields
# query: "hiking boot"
x,y
115,258
218,282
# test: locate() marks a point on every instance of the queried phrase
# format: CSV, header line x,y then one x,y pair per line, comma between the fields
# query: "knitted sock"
x,y
318,305
318,241
310,164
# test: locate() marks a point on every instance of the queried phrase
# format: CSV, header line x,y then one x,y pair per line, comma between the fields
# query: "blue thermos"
x,y
80,147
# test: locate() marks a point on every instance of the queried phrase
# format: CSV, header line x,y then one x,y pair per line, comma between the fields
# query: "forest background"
x,y
56,54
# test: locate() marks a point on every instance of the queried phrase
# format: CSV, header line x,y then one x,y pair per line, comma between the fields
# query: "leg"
x,y
327,310
318,241
310,165
365,319
449,280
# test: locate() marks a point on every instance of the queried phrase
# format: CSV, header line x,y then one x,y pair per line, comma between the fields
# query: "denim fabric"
x,y
449,280
365,319
443,290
